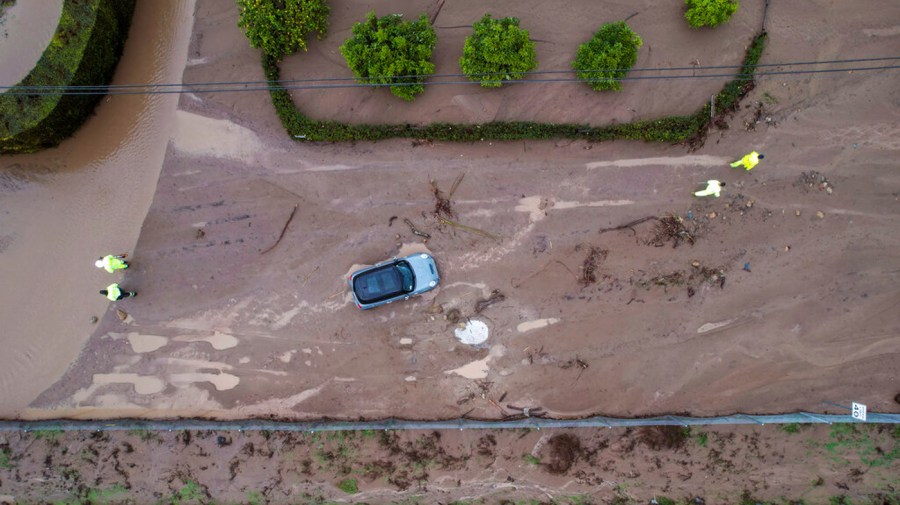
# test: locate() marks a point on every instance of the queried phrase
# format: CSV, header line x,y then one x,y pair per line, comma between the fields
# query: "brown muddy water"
x,y
25,31
62,208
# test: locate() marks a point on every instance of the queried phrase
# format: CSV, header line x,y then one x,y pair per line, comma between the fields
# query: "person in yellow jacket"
x,y
115,293
748,161
112,262
713,187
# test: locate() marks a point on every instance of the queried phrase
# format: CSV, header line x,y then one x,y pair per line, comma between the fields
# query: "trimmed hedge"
x,y
668,129
83,52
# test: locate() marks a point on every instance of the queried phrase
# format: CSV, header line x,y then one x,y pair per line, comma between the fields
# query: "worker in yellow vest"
x,y
112,262
115,293
748,161
713,187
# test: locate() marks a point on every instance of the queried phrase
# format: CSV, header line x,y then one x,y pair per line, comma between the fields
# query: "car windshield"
x,y
384,282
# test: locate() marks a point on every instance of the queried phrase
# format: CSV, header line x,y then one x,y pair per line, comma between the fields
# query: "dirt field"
x,y
840,464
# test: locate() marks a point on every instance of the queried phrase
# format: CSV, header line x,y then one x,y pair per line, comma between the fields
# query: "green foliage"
x,y
847,438
702,439
6,458
390,51
84,51
791,428
348,486
531,460
255,498
497,51
280,27
709,12
51,435
608,56
668,129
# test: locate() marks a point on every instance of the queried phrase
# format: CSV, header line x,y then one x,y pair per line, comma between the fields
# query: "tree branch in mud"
x,y
286,224
469,229
416,231
496,296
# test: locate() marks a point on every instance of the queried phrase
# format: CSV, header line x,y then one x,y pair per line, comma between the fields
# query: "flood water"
x,y
25,31
62,208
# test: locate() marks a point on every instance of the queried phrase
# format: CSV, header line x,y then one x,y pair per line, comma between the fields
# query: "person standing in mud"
x,y
115,293
748,161
111,262
713,187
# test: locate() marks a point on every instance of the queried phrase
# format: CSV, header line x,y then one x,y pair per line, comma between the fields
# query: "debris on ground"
x,y
814,179
589,267
416,231
631,224
760,114
469,229
391,220
442,207
672,228
747,266
496,296
121,314
454,316
820,215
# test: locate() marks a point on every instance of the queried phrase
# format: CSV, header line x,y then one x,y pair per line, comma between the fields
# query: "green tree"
x,y
280,27
498,50
393,52
709,12
608,56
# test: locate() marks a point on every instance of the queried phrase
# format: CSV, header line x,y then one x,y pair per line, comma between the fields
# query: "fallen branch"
x,y
517,285
468,228
291,218
629,225
414,230
496,296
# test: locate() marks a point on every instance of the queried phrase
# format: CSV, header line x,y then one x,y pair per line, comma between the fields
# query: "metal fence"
x,y
452,424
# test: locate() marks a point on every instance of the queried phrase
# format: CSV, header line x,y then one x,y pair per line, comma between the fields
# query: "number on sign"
x,y
858,411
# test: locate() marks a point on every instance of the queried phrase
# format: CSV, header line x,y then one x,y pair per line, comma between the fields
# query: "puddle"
x,y
475,333
124,140
146,343
537,323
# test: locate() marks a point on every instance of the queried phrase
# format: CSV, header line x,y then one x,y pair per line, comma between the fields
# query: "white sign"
x,y
858,411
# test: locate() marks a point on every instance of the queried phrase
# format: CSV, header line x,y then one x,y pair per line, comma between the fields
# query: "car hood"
x,y
426,271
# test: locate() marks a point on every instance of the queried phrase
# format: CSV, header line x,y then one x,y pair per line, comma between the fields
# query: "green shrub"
x,y
608,56
348,486
393,52
280,27
84,51
498,50
689,129
709,12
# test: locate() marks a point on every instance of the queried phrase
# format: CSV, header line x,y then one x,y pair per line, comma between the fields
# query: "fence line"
x,y
452,424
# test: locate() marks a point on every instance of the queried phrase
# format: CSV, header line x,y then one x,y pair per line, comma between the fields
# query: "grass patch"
x,y
255,498
791,428
847,439
84,51
530,460
52,435
348,486
6,458
702,440
691,129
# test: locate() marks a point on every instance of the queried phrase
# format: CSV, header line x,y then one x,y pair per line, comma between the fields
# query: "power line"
x,y
192,87
431,76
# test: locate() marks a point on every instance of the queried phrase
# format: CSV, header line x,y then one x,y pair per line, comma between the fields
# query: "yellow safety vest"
x,y
113,292
111,263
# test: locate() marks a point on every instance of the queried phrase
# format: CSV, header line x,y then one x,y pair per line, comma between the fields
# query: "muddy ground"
x,y
747,464
778,296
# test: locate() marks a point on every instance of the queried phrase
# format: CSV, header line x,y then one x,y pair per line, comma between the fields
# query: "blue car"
x,y
397,279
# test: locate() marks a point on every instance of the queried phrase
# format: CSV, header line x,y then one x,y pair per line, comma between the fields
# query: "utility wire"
x,y
430,76
192,88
